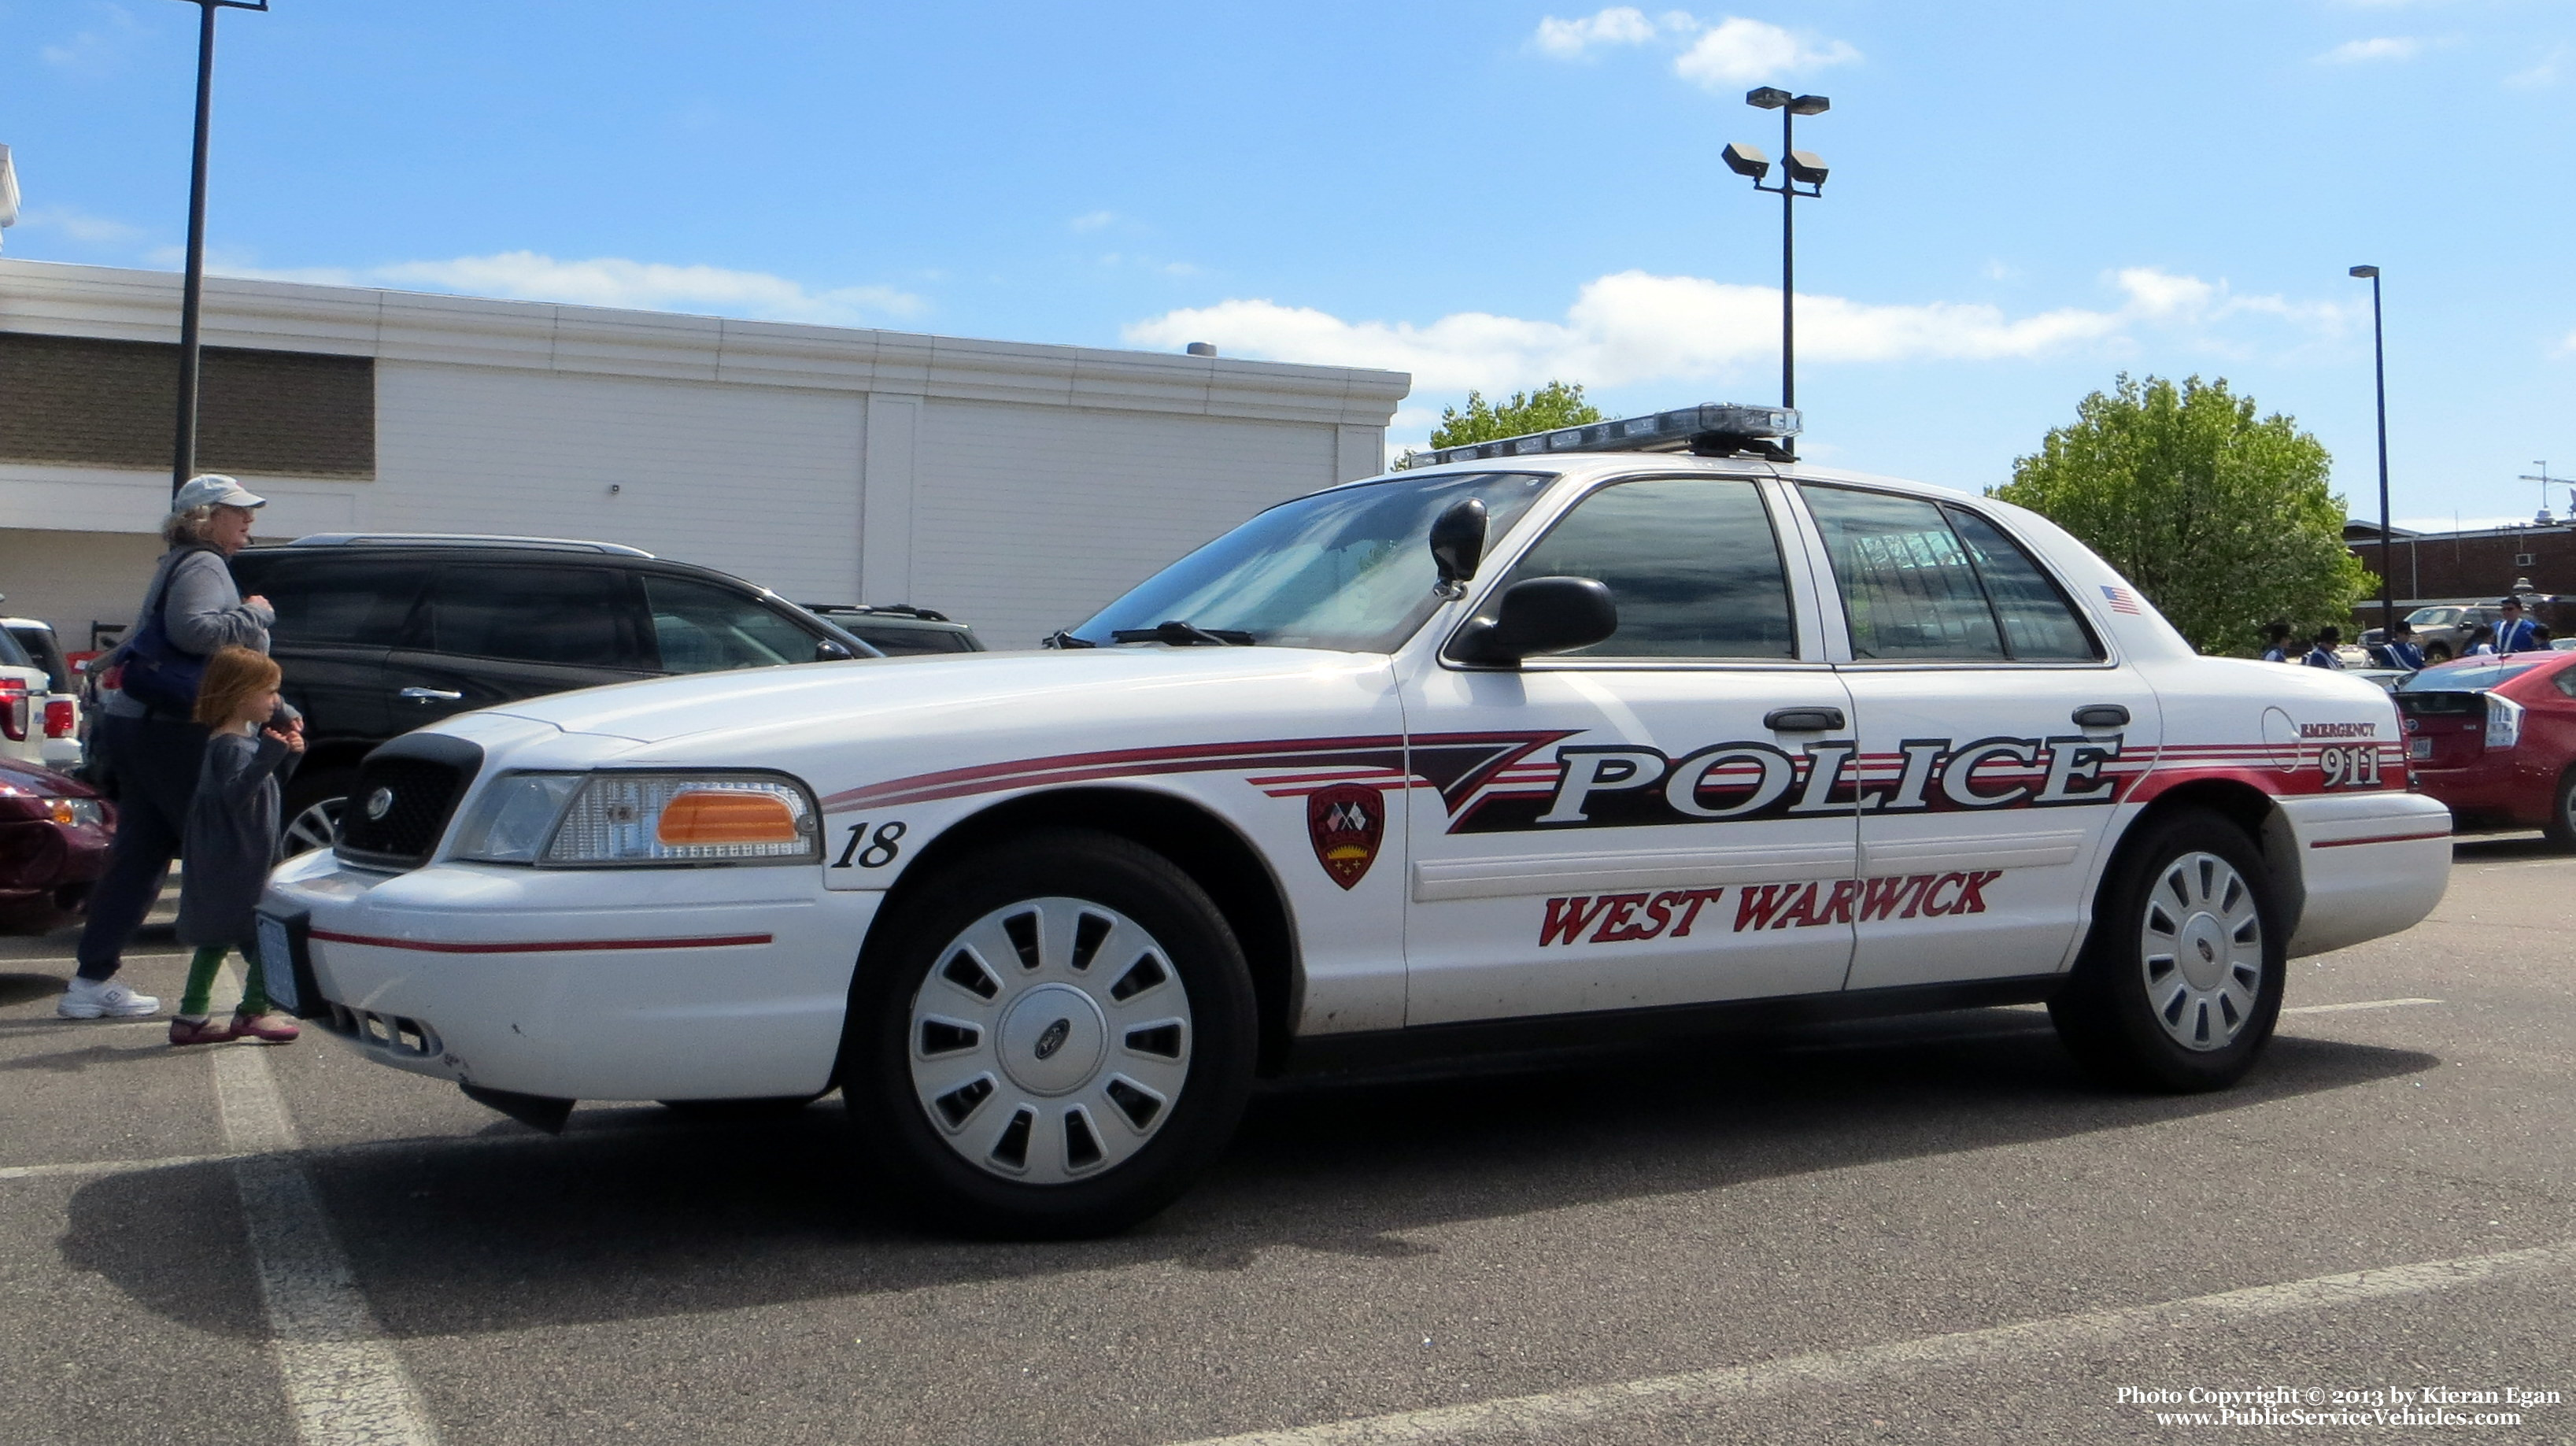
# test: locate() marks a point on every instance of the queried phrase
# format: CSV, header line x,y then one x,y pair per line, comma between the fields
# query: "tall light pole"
x,y
1797,168
2379,366
183,453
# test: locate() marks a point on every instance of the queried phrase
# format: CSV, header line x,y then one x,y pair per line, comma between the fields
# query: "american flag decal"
x,y
2122,600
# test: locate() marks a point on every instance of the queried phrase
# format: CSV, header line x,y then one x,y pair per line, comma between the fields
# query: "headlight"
x,y
69,811
2504,722
592,820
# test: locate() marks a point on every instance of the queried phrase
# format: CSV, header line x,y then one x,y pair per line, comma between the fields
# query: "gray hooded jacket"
x,y
201,612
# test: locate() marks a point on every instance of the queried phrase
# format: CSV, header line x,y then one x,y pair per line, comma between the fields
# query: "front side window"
x,y
567,615
1348,569
1691,562
700,628
1923,582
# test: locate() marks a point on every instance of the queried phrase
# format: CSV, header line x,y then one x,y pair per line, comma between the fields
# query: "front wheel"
x,y
2180,983
1054,1038
313,808
2437,653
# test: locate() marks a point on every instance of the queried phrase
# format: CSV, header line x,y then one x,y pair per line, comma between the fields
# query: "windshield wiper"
x,y
1062,639
1183,635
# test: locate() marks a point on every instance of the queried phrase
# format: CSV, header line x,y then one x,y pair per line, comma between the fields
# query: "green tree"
x,y
2223,521
1558,404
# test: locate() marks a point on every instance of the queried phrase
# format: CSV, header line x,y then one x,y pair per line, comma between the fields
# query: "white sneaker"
x,y
91,998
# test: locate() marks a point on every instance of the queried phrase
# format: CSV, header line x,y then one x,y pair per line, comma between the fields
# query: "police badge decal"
x,y
1346,822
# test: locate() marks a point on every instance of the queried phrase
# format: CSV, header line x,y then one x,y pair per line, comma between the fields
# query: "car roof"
x,y
1587,466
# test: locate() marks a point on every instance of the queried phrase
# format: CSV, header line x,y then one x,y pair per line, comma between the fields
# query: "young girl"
x,y
231,843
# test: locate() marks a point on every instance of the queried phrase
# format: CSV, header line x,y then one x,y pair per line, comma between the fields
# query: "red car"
x,y
2494,738
53,846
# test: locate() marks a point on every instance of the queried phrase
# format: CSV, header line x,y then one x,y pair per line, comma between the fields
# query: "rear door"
x,y
1658,819
495,632
1996,731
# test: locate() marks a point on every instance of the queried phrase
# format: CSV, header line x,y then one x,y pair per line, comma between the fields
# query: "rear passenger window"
x,y
344,601
1924,582
1691,562
571,615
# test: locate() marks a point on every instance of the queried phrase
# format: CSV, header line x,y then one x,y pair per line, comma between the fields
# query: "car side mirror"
x,y
1538,615
827,651
1458,543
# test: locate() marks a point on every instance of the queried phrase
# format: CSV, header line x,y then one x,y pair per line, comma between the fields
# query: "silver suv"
x,y
2442,630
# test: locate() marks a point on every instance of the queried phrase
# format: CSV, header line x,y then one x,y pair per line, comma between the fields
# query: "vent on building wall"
x,y
97,403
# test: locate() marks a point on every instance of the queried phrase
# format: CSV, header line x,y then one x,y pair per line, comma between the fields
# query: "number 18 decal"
x,y
866,852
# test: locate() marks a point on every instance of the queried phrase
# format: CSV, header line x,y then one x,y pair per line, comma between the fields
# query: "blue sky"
x,y
2026,199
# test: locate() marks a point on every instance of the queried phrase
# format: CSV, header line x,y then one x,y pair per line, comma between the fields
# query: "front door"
x,y
1999,736
1657,819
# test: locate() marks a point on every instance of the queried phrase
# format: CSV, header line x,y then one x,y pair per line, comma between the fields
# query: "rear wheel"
x,y
1056,1037
2562,812
2180,984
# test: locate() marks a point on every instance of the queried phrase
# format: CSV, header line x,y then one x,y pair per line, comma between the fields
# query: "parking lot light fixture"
x,y
1802,176
2379,367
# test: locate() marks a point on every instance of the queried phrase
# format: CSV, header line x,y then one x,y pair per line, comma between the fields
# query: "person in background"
x,y
2540,637
2479,641
2276,642
231,843
153,752
2400,650
2322,655
2514,633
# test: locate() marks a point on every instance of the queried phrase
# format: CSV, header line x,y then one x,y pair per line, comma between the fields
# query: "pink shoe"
x,y
273,1028
201,1031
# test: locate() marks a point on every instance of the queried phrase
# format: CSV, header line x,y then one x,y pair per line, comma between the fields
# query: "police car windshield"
x,y
1348,569
2461,678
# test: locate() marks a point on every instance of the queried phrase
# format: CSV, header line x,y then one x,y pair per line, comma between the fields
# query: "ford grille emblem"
x,y
380,803
1053,1038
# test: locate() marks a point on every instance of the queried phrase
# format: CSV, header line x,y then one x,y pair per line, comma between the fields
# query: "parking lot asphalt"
x,y
1930,1229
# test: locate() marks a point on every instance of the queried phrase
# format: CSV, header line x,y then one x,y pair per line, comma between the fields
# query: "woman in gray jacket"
x,y
154,755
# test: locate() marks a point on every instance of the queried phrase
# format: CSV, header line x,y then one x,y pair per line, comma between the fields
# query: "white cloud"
x,y
615,281
2543,74
1731,51
1633,326
1737,51
2386,47
94,52
1092,220
2566,347
1618,25
77,224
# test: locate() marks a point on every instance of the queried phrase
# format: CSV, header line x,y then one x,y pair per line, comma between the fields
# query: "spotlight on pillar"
x,y
1767,97
1746,160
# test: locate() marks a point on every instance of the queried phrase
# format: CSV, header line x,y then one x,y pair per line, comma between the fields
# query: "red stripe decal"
x,y
2345,843
557,946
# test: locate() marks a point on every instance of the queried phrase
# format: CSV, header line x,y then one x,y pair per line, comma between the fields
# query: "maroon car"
x,y
2495,738
53,846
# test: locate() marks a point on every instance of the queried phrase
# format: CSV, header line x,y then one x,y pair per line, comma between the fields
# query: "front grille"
x,y
406,792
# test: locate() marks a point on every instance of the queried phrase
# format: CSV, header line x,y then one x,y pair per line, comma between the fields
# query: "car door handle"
x,y
2101,715
1803,720
429,695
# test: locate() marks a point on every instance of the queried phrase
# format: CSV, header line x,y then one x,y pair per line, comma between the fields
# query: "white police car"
x,y
1563,728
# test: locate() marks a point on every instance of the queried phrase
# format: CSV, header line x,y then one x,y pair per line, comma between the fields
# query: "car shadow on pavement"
x,y
640,1213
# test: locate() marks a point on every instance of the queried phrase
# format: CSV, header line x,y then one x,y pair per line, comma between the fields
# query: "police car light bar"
x,y
1711,430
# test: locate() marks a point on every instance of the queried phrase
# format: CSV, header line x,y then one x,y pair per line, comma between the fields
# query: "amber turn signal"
x,y
713,816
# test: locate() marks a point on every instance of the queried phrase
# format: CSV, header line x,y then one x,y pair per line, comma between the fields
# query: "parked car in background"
x,y
379,634
59,715
2442,631
2495,739
899,631
24,689
53,846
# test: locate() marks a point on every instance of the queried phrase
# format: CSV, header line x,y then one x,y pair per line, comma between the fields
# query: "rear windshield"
x,y
2463,679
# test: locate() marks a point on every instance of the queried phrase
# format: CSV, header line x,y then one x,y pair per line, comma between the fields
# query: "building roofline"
x,y
113,303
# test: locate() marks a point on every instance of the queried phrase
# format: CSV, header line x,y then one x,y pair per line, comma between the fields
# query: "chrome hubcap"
x,y
1050,1040
2201,946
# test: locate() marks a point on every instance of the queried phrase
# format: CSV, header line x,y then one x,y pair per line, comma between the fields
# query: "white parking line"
x,y
344,1382
1557,1411
2364,1004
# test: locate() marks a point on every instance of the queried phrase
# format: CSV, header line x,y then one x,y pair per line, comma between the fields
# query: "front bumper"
x,y
583,984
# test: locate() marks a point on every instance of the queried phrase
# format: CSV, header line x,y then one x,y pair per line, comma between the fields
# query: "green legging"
x,y
201,982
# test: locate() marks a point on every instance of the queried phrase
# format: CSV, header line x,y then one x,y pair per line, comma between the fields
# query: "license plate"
x,y
2419,747
277,963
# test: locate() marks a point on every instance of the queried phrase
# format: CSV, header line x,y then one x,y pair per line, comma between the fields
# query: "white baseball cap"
x,y
213,489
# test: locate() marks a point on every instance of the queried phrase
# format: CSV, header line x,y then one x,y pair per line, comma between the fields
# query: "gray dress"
x,y
231,841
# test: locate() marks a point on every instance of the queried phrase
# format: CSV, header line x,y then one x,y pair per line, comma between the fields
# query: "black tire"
x,y
313,799
2561,826
944,1170
2437,653
2136,1024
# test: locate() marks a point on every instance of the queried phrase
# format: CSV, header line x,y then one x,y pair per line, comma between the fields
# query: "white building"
x,y
1015,486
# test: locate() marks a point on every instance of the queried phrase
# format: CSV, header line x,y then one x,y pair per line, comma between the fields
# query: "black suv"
x,y
381,633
